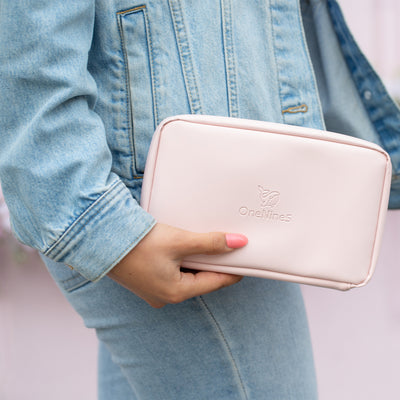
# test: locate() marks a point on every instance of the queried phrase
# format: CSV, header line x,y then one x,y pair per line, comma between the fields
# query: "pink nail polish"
x,y
235,240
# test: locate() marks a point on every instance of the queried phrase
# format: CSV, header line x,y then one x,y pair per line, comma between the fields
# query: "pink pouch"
x,y
312,203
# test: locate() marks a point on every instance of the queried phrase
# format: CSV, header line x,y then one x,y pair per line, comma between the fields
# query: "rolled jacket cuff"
x,y
108,230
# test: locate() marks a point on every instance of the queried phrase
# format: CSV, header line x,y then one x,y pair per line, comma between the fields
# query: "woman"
x,y
84,84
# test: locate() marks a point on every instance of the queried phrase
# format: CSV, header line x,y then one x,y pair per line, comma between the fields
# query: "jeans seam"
x,y
221,334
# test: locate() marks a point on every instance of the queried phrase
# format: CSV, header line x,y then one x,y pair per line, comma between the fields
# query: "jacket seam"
x,y
359,60
139,10
230,59
132,245
58,246
127,91
185,55
278,73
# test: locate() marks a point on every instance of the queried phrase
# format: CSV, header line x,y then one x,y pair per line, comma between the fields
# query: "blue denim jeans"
x,y
248,341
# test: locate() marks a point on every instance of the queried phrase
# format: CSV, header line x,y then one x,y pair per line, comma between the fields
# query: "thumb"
x,y
213,243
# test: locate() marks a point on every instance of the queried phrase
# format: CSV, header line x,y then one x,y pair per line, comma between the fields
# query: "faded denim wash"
x,y
83,85
86,83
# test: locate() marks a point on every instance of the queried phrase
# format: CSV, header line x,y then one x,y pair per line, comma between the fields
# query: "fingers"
x,y
210,243
235,240
206,282
192,285
152,269
190,243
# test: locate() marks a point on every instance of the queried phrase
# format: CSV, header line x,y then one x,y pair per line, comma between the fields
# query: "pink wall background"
x,y
46,353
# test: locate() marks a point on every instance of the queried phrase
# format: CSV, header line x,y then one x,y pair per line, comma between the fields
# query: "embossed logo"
x,y
269,198
267,210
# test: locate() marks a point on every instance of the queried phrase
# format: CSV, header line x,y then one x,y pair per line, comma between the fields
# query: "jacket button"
x,y
367,95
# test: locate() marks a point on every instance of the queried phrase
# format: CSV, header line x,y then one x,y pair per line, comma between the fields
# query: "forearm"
x,y
55,164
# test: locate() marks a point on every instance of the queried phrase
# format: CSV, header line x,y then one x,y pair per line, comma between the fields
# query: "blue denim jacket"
x,y
84,84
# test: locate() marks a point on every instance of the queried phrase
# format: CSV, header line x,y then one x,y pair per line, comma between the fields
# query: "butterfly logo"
x,y
269,198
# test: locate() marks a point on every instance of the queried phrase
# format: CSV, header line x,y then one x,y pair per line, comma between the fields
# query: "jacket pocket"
x,y
137,48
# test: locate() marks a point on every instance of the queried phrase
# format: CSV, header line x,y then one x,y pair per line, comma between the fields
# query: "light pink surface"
x,y
330,210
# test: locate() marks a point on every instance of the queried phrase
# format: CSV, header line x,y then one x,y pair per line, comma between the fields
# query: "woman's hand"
x,y
152,269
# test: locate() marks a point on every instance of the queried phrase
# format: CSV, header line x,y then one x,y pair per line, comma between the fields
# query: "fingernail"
x,y
235,240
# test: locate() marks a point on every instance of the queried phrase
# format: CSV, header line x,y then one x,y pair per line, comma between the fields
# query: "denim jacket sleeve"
x,y
55,164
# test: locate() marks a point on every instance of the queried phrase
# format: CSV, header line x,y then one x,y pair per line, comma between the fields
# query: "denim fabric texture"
x,y
84,84
247,341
